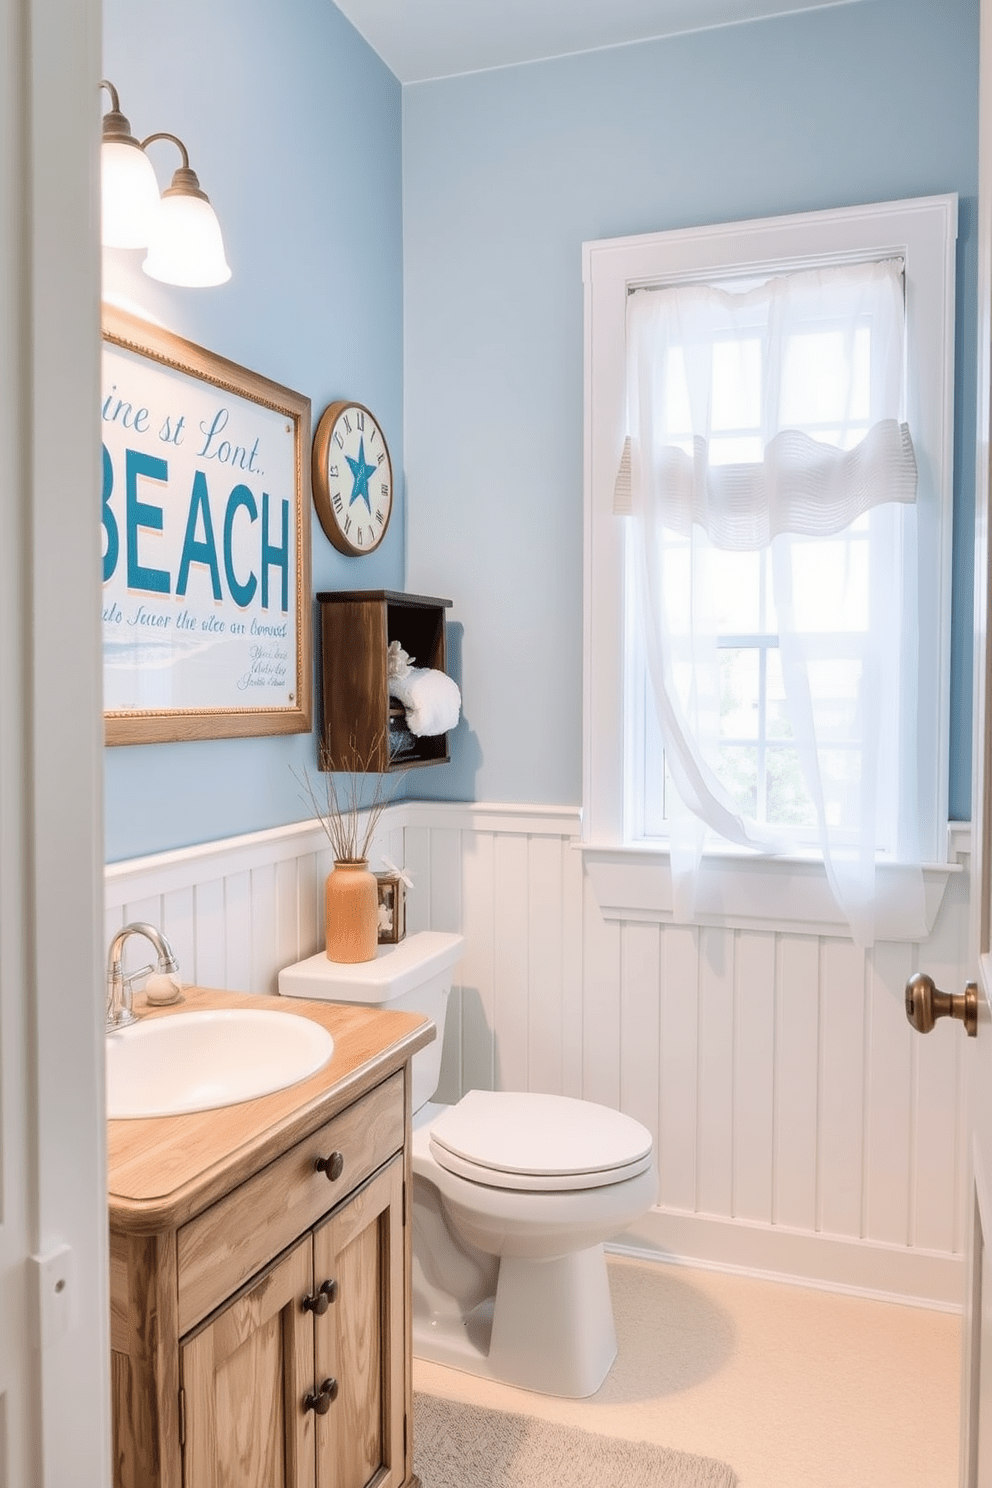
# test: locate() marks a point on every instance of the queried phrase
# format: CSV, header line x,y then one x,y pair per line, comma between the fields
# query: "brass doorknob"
x,y
925,1003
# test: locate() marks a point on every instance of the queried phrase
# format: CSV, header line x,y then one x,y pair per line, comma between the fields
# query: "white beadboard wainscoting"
x,y
803,1129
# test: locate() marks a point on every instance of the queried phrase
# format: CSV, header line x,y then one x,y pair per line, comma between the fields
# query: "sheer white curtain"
x,y
771,484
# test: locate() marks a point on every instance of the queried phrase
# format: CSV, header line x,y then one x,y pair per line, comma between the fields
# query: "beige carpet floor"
x,y
469,1446
794,1388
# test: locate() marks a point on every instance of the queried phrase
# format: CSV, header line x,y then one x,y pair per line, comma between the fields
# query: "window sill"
x,y
746,891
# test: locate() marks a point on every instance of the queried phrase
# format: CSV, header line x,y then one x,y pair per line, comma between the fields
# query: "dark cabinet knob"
x,y
322,1298
333,1166
320,1402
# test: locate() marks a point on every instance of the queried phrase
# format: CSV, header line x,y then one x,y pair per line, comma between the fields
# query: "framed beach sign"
x,y
206,543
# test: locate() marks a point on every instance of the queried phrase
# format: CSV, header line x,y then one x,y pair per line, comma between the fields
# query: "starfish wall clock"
x,y
352,478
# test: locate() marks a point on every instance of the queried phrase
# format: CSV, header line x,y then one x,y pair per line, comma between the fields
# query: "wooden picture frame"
x,y
207,614
391,890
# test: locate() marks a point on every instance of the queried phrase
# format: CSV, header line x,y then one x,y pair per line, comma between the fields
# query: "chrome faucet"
x,y
119,1010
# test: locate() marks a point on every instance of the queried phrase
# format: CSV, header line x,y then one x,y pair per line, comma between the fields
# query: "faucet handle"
x,y
119,1010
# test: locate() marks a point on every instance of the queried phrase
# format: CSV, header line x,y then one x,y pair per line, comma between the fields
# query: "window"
x,y
758,761
752,658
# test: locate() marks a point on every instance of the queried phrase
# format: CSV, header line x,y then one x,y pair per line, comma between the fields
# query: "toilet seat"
x,y
526,1141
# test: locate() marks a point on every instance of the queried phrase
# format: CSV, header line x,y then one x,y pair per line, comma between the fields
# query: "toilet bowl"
x,y
514,1194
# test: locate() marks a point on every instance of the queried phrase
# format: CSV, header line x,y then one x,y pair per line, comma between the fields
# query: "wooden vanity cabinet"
x,y
299,1381
359,1339
263,1339
243,1375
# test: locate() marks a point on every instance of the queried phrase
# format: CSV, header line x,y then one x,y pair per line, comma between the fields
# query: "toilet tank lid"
x,y
395,970
529,1133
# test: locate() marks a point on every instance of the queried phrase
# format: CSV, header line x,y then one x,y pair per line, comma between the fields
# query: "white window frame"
x,y
737,888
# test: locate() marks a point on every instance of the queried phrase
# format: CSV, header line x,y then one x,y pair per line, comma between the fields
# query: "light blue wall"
x,y
288,114
294,128
505,174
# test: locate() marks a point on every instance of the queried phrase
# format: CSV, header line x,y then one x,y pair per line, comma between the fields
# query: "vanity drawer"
x,y
224,1246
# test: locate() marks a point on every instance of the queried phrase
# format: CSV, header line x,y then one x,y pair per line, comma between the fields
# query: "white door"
x,y
976,1395
16,1454
54,1309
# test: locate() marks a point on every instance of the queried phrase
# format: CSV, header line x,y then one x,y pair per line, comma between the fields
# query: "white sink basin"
x,y
198,1061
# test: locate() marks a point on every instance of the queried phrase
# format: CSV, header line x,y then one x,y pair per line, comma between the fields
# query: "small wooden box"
x,y
362,727
392,908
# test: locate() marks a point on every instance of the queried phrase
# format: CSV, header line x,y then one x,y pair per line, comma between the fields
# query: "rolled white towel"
x,y
431,699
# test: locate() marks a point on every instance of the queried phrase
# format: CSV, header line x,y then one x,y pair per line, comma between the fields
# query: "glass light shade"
x,y
186,246
128,195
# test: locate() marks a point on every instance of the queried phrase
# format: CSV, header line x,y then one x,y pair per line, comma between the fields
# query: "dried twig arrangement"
x,y
348,821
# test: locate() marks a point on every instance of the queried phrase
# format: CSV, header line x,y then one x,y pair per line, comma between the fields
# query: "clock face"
x,y
352,478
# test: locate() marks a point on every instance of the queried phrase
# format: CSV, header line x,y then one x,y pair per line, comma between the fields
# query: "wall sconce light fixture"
x,y
179,228
186,245
128,188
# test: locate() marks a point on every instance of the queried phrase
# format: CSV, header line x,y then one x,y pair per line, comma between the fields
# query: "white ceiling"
x,y
420,39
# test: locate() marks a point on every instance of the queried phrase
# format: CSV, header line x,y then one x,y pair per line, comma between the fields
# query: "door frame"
x,y
979,1217
54,1354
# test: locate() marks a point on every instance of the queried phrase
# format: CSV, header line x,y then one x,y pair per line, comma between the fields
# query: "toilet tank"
x,y
413,976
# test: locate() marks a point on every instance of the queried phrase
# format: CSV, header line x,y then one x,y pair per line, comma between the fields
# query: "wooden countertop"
x,y
164,1169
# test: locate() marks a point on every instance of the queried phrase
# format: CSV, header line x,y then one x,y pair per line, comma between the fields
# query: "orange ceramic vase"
x,y
351,904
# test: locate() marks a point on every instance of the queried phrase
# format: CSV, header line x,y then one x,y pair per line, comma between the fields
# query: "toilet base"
x,y
549,1327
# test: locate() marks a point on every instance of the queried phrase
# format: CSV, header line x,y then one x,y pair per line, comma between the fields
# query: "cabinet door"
x,y
245,1375
360,1340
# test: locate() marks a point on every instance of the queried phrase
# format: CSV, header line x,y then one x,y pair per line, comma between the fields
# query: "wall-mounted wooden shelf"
x,y
361,726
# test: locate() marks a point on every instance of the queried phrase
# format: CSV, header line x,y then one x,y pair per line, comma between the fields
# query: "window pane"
x,y
830,584
788,802
737,592
739,773
844,438
860,407
678,415
826,377
676,579
840,775
738,693
652,761
836,687
777,725
669,798
737,384
736,449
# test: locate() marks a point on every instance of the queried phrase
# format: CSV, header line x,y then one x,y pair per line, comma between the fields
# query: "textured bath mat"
x,y
467,1446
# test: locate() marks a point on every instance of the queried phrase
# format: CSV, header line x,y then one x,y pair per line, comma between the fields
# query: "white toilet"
x,y
513,1196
